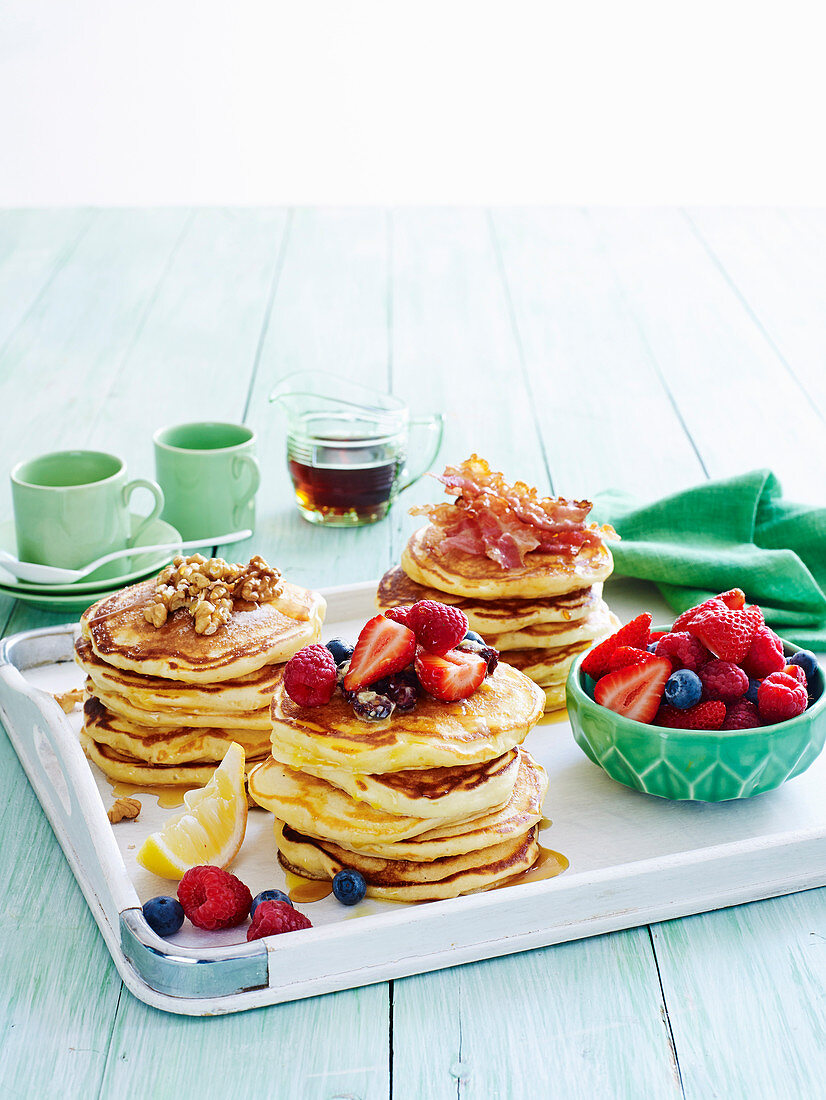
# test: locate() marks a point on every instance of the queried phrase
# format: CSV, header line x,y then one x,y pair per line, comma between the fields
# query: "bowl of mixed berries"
x,y
716,707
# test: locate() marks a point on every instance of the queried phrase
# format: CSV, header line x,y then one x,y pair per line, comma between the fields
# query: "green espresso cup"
x,y
71,507
209,475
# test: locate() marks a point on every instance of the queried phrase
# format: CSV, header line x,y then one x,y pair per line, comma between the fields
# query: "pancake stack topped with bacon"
x,y
527,571
179,667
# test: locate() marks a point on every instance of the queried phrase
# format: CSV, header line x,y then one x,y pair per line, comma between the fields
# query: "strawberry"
x,y
734,600
454,675
635,633
728,634
682,621
634,691
383,647
629,655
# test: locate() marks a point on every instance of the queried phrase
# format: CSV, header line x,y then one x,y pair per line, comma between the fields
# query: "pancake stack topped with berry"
x,y
526,571
401,758
179,667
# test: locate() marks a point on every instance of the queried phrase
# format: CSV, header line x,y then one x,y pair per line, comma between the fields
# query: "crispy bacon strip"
x,y
505,522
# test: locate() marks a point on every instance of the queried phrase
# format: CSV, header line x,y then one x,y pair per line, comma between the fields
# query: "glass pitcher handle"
x,y
433,427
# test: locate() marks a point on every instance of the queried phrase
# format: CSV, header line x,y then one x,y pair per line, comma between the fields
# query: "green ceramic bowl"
x,y
698,765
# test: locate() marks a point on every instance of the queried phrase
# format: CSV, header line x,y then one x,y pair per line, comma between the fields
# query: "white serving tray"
x,y
634,858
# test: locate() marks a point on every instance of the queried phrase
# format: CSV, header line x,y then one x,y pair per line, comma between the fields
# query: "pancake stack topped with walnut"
x,y
179,667
527,571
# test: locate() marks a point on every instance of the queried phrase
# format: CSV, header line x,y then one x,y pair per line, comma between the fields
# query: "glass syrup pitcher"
x,y
348,446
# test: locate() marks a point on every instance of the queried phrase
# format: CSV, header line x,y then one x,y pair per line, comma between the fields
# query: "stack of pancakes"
x,y
164,703
541,614
430,804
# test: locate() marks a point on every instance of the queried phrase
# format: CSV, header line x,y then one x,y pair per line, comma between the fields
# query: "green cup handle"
x,y
239,464
157,493
432,427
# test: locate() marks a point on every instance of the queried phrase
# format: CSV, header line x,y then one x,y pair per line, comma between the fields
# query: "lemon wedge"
x,y
210,830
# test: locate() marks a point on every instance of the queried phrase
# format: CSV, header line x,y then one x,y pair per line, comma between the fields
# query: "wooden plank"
x,y
194,355
454,351
76,335
733,390
583,1019
775,261
318,1049
596,391
34,245
745,988
329,314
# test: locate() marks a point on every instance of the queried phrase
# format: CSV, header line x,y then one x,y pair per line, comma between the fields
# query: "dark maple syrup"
x,y
351,479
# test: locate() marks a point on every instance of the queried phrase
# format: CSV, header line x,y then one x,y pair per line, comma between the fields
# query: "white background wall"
x,y
362,101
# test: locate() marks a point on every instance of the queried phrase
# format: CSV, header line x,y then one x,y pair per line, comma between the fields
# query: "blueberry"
x,y
349,887
491,657
373,707
808,662
402,693
751,691
340,650
652,647
683,689
269,895
472,636
164,915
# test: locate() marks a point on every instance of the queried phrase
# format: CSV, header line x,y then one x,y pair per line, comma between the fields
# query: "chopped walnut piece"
x,y
207,587
125,809
68,700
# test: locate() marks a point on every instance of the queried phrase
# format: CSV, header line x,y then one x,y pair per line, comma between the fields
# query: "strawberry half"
x,y
455,675
635,634
383,647
728,634
627,655
634,691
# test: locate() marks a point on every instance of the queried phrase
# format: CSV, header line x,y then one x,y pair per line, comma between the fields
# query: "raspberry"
x,y
635,633
629,655
310,676
703,716
655,635
438,628
723,680
780,697
400,614
683,650
682,621
271,918
213,898
728,634
765,654
742,715
797,673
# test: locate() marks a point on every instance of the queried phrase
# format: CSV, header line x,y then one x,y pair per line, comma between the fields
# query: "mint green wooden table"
x,y
577,349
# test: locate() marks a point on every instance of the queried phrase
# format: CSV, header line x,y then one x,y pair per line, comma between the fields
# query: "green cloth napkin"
x,y
738,532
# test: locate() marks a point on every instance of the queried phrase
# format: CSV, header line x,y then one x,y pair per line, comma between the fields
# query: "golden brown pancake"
x,y
178,716
491,616
126,769
494,719
322,815
551,635
244,695
404,880
425,561
554,696
153,745
436,794
256,635
547,666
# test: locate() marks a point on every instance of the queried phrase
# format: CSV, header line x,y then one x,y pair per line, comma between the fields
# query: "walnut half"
x,y
125,809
